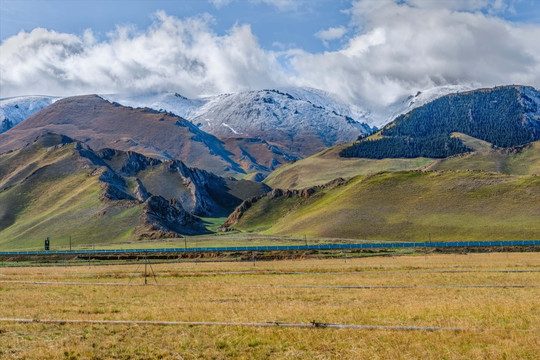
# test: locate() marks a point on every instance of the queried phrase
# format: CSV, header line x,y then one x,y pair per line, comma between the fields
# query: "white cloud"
x,y
333,33
490,6
403,48
219,3
180,55
398,49
281,5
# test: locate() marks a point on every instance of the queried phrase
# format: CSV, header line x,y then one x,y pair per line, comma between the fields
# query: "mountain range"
x,y
60,187
287,115
163,135
130,167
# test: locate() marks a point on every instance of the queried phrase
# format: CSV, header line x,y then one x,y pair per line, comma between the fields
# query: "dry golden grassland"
x,y
256,292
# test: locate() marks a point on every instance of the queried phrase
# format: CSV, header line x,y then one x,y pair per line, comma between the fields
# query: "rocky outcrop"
x,y
131,162
277,194
169,216
140,191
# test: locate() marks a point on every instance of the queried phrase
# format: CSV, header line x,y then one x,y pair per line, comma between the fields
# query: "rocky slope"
x,y
59,187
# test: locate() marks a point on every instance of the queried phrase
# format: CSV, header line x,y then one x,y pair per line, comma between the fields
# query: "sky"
x,y
364,51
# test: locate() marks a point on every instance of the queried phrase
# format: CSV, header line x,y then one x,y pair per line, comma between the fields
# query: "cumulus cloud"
x,y
185,55
330,34
397,48
404,47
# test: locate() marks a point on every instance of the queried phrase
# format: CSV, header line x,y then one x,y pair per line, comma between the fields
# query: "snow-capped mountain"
x,y
16,109
374,116
169,102
305,120
277,117
385,115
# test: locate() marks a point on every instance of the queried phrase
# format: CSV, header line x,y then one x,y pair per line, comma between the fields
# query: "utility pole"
x,y
69,242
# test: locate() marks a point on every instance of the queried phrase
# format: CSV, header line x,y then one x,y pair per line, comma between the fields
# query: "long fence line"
x,y
287,248
203,273
311,325
300,286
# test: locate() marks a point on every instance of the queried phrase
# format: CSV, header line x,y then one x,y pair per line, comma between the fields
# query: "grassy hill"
x,y
59,188
522,160
43,192
405,205
328,165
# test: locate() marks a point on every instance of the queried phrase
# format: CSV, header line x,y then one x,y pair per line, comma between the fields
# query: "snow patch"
x,y
234,131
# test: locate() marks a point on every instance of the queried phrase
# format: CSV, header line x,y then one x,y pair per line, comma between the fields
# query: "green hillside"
x,y
407,204
44,193
328,165
59,188
505,116
523,160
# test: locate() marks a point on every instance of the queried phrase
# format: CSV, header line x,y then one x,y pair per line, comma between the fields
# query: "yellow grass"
x,y
244,292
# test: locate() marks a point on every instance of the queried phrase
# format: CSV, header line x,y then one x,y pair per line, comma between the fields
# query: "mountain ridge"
x,y
59,186
102,124
504,116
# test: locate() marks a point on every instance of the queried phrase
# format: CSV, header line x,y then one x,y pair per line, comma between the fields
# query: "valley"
x,y
269,179
118,174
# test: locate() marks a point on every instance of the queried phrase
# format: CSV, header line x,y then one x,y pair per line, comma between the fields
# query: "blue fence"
x,y
287,248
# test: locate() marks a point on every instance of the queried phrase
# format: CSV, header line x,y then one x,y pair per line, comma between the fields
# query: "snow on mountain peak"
x,y
16,109
274,115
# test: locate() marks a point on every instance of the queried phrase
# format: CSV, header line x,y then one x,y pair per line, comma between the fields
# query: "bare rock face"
x,y
200,192
198,182
239,212
6,125
140,191
170,216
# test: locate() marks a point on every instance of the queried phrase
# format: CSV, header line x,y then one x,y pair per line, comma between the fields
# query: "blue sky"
x,y
371,51
275,26
289,24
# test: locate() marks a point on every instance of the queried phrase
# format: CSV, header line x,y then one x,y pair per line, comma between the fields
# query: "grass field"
x,y
271,291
